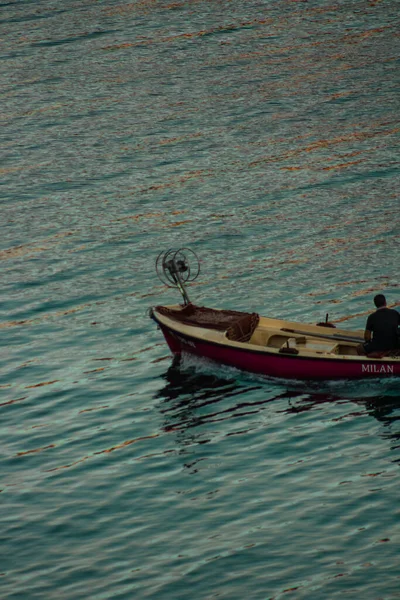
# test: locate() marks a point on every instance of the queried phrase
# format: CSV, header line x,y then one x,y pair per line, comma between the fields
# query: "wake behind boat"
x,y
257,344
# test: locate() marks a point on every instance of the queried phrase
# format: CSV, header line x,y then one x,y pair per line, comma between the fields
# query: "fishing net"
x,y
239,326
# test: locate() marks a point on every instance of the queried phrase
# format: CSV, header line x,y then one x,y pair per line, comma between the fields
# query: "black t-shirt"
x,y
384,323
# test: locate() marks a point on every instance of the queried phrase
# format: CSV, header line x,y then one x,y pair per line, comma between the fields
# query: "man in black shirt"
x,y
381,331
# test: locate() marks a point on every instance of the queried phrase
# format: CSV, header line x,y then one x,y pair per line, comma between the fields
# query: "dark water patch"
x,y
37,16
12,55
17,3
77,38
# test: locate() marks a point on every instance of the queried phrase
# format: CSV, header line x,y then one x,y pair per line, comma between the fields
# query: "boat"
x,y
261,345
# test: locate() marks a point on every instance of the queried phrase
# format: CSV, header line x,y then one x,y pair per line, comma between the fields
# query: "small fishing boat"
x,y
257,344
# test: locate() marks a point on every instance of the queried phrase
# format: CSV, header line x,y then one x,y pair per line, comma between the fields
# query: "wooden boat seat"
x,y
280,341
276,340
344,349
259,337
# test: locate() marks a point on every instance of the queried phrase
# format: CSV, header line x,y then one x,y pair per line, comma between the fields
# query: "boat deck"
x,y
278,340
268,338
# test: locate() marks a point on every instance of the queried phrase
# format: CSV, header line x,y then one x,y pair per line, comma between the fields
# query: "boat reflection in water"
x,y
188,391
198,393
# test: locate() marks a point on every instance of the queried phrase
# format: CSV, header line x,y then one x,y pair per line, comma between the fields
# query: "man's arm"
x,y
367,335
368,329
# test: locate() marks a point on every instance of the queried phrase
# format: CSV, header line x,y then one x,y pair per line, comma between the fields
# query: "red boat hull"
x,y
271,364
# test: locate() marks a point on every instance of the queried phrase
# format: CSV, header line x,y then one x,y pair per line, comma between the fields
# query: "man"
x,y
381,331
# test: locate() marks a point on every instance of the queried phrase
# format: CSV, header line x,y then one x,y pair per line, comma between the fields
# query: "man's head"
x,y
379,300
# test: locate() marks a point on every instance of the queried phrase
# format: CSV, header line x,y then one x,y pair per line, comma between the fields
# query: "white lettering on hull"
x,y
377,368
183,340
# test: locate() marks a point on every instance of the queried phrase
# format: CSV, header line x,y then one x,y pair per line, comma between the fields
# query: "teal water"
x,y
264,135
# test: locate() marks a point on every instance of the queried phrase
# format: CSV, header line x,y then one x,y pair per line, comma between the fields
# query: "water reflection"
x,y
194,396
387,410
185,385
384,408
187,392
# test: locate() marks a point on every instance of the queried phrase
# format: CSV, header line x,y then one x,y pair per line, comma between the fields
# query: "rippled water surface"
x,y
265,136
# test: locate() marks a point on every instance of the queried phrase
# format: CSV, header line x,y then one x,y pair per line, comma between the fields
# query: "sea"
x,y
263,136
